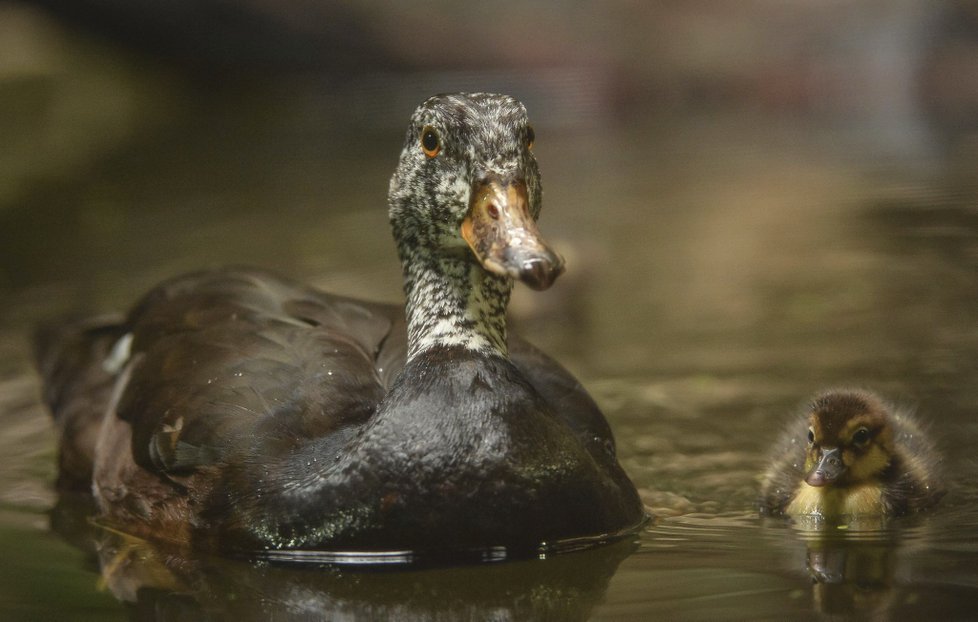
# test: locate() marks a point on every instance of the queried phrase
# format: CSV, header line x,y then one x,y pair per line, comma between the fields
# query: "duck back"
x,y
252,412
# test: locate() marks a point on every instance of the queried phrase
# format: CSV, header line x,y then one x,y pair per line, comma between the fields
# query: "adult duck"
x,y
238,410
852,455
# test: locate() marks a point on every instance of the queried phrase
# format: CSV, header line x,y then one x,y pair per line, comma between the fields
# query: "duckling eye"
x,y
811,435
531,136
860,437
430,143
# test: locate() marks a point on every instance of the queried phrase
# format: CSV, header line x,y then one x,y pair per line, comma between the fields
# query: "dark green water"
x,y
723,265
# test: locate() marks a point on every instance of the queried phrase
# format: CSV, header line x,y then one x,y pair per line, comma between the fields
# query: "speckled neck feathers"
x,y
451,299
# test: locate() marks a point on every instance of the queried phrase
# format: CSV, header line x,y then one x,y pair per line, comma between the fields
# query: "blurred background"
x,y
756,199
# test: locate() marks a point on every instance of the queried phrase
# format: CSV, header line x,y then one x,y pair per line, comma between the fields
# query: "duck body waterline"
x,y
238,410
852,455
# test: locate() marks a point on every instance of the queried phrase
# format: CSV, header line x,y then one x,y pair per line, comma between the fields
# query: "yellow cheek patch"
x,y
868,465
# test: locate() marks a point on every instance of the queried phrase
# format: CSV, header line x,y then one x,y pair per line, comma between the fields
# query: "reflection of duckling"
x,y
853,575
861,457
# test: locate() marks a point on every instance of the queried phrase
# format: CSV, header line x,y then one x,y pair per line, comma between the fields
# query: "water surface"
x,y
723,264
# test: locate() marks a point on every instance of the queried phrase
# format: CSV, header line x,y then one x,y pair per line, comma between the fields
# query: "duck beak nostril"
x,y
504,237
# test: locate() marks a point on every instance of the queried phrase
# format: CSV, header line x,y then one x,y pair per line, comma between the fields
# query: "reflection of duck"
x,y
163,585
852,455
251,412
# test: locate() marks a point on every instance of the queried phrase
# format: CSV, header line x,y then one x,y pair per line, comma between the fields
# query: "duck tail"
x,y
70,354
76,384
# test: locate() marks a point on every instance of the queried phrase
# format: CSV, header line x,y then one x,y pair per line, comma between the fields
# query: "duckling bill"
x,y
238,410
852,454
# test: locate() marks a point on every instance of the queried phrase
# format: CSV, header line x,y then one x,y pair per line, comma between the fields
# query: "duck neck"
x,y
453,302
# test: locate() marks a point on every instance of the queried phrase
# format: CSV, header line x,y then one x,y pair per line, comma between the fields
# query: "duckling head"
x,y
467,186
850,441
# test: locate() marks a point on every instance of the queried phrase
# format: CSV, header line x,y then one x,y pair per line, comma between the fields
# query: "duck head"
x,y
467,186
850,441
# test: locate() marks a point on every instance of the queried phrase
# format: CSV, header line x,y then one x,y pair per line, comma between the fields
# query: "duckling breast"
x,y
831,502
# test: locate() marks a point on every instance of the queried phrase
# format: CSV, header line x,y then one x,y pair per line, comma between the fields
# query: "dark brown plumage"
x,y
236,409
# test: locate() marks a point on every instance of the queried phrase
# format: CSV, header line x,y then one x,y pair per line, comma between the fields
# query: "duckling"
x,y
852,454
241,411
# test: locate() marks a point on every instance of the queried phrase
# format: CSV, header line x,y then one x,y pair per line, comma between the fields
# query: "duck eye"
x,y
811,435
430,144
530,136
861,436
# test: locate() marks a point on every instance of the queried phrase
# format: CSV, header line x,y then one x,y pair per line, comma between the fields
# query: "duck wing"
x,y
565,395
221,358
68,355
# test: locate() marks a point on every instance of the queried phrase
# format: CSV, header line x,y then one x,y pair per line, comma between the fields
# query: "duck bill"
x,y
504,237
829,468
